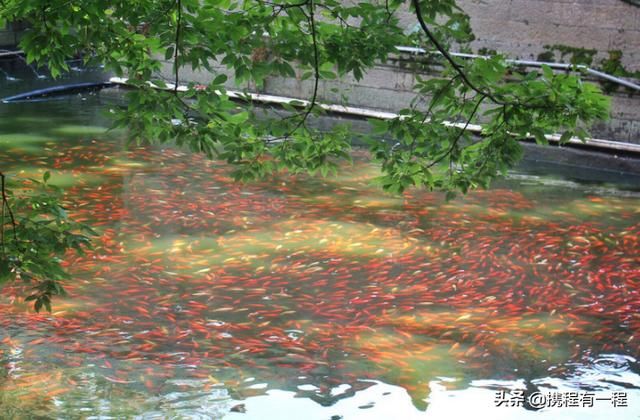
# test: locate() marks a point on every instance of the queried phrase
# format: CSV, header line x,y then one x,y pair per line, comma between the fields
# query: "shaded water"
x,y
314,298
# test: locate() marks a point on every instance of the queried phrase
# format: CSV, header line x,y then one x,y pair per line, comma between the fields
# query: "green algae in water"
x,y
62,179
79,130
20,140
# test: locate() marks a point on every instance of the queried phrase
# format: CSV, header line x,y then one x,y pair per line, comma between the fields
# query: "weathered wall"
x,y
522,28
10,35
7,38
389,87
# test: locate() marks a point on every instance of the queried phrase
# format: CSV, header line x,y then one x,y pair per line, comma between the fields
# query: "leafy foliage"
x,y
613,65
576,55
323,40
428,145
34,242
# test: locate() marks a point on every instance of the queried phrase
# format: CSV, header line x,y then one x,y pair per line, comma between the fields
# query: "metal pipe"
x,y
531,63
7,53
615,79
56,90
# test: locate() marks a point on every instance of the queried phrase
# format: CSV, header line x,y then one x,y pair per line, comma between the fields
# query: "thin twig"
x,y
448,57
462,131
388,10
2,220
286,5
316,71
176,52
434,100
5,203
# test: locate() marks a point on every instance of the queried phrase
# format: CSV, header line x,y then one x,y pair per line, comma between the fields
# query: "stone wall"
x,y
389,87
7,38
521,28
10,35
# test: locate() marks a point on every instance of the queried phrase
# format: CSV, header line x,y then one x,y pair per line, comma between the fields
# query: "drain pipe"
x,y
7,53
531,63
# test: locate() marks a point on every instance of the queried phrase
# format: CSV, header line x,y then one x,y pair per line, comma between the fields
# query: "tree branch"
x,y
176,53
449,58
316,70
5,203
457,139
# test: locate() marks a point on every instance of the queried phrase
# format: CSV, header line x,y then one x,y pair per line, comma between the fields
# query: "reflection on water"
x,y
317,298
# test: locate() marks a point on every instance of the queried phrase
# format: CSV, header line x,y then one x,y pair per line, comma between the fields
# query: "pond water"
x,y
301,297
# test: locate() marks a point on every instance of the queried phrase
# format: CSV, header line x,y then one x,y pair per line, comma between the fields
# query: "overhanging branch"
x,y
5,204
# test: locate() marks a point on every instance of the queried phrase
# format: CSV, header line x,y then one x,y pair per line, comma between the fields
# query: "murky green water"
x,y
315,298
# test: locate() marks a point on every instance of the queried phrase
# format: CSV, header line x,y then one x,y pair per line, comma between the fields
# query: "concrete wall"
x,y
389,87
521,28
7,38
10,35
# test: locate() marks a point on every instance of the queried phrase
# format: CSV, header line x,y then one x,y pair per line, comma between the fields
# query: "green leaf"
x,y
327,74
539,135
229,33
566,136
169,53
379,126
238,118
6,273
220,79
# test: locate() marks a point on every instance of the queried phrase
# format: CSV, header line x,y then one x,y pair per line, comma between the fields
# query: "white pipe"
x,y
531,63
381,115
8,53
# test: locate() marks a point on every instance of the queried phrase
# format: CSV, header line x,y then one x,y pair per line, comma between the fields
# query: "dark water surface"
x,y
310,298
